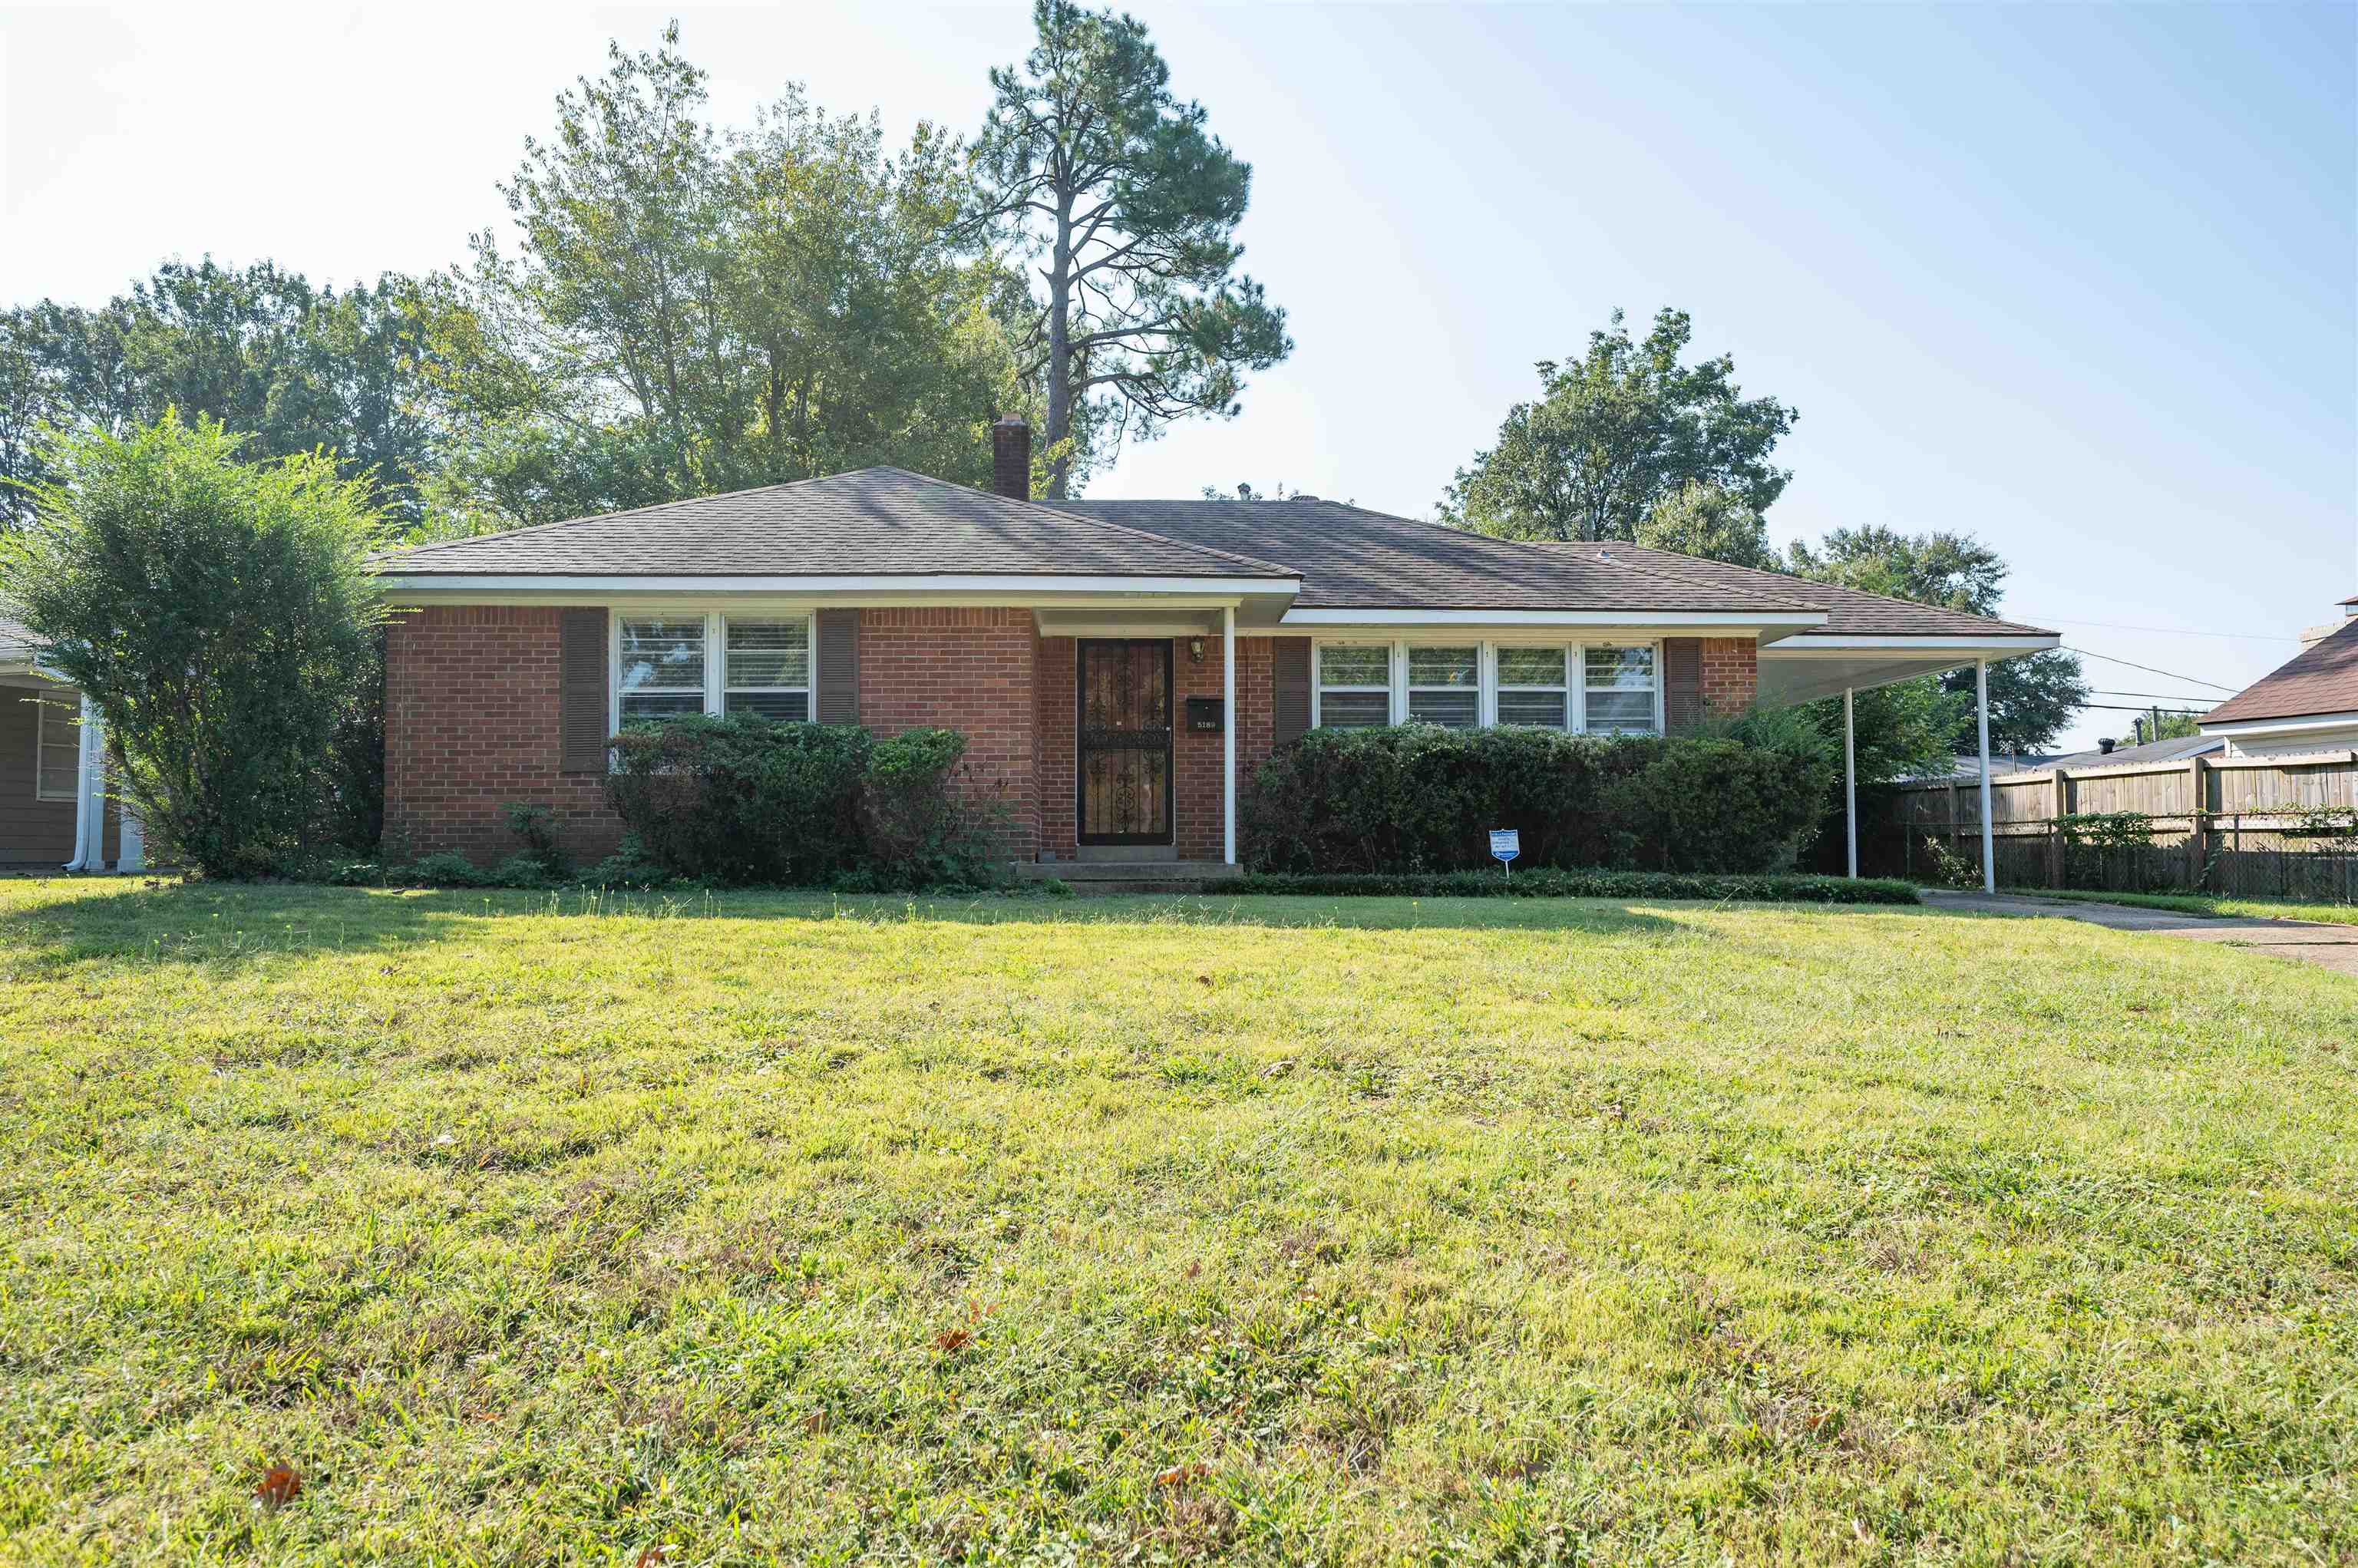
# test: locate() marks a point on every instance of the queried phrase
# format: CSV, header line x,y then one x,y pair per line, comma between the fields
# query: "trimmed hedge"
x,y
1415,797
1548,884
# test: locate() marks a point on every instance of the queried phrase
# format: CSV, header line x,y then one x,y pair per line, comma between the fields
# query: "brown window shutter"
x,y
1289,667
838,667
582,691
1682,682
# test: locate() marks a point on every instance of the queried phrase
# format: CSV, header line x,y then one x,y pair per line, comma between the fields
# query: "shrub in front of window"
x,y
743,798
1418,798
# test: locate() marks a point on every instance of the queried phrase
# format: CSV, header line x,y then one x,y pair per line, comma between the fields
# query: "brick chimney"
x,y
1010,459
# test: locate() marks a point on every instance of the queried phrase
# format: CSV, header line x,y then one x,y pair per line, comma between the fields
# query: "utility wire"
x,y
2156,696
2168,631
2173,675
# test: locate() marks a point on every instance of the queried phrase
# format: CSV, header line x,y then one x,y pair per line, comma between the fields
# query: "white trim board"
x,y
929,587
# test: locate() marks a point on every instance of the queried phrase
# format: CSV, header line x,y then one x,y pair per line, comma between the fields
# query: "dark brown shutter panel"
x,y
582,691
1289,667
838,667
1682,682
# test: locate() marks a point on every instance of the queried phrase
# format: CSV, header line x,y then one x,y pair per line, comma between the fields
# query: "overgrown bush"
x,y
1742,797
744,800
1549,884
221,616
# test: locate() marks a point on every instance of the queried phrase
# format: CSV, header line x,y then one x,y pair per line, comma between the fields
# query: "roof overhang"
x,y
1811,665
1258,602
2292,724
1768,628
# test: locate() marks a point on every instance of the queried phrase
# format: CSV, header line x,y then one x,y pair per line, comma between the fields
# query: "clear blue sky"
x,y
2081,281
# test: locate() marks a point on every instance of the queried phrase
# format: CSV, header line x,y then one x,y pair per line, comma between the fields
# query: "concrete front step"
x,y
1128,876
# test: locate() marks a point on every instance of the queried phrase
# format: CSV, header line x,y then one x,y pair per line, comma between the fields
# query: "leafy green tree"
x,y
221,616
1703,519
691,311
2033,698
290,367
1615,435
1096,172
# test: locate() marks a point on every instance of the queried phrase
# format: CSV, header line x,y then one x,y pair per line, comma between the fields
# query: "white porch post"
x,y
1850,783
1229,734
1989,839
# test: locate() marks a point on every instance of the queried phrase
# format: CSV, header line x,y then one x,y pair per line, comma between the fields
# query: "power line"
x,y
2170,631
2126,708
2156,696
2173,675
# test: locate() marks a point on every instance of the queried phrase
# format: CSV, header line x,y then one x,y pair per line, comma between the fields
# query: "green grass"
x,y
2204,904
533,1230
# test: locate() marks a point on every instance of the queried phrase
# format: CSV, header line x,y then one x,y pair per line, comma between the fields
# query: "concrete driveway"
x,y
2331,948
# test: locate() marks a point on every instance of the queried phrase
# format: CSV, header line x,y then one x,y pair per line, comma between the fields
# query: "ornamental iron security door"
x,y
1124,750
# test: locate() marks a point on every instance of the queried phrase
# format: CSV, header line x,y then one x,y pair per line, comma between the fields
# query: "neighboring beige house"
x,y
2308,705
54,815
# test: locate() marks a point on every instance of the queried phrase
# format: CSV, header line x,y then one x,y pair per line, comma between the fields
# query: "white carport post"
x,y
1229,734
1850,783
1981,711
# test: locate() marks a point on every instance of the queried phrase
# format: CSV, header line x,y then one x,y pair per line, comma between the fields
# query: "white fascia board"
x,y
481,586
1826,642
2281,726
1748,621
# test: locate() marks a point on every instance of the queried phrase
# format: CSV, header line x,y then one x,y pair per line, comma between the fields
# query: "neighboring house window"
x,y
662,668
1619,698
1355,685
56,772
1445,685
768,669
1535,687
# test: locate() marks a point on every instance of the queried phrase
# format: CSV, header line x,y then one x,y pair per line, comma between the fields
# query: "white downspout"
x,y
1229,734
1850,783
90,806
1989,839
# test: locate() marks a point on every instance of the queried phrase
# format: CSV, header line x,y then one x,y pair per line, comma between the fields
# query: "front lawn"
x,y
530,1229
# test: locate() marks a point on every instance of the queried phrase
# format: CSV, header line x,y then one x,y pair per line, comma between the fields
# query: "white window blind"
x,y
1355,684
767,668
662,667
1445,685
1619,694
1535,687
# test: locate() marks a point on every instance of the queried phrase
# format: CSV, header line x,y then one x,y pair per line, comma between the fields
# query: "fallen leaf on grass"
x,y
653,1556
1180,1474
280,1486
950,1341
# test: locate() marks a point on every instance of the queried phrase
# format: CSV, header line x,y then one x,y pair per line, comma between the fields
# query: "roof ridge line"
x,y
1601,546
1276,567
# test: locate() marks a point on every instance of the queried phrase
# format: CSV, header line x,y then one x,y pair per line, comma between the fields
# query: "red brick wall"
x,y
1058,709
1196,788
970,670
471,726
1731,674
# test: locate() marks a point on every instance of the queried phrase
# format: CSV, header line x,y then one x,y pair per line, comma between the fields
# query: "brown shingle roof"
x,y
1351,558
886,520
2320,678
875,521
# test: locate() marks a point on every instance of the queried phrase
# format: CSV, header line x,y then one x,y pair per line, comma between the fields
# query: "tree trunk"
x,y
1060,345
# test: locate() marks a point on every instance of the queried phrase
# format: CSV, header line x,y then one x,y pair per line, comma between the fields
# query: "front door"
x,y
1125,742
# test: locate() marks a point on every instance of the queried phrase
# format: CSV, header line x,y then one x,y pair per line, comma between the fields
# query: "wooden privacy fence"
x,y
2273,826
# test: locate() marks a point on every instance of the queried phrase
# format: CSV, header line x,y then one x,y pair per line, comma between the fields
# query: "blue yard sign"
x,y
1506,843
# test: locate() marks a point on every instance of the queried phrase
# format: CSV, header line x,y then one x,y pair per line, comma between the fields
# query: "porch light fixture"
x,y
1195,650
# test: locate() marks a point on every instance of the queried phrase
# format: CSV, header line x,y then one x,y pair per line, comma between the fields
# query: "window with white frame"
x,y
767,667
57,751
662,671
1355,684
1618,694
1535,687
1444,685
